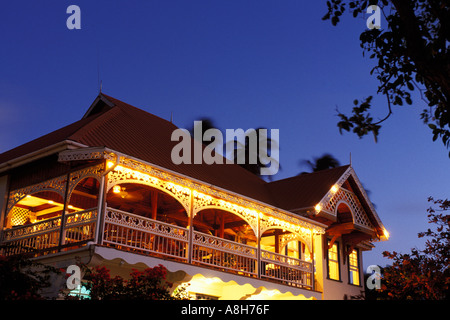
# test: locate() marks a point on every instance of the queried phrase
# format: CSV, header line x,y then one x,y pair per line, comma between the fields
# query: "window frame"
x,y
338,261
353,268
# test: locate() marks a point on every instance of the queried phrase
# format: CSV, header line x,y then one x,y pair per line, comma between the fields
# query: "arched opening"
x,y
225,225
148,202
343,213
224,240
345,228
84,196
80,222
35,207
286,243
143,219
298,250
285,257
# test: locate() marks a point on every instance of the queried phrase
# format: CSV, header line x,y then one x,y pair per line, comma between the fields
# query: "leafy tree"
x,y
254,160
205,123
326,161
422,274
244,151
411,52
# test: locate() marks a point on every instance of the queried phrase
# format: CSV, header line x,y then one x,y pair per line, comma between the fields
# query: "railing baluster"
x,y
145,234
283,268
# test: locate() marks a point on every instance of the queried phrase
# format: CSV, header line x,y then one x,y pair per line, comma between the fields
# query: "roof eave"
x,y
35,155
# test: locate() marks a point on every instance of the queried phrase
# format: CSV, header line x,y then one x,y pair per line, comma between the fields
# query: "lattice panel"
x,y
19,216
359,216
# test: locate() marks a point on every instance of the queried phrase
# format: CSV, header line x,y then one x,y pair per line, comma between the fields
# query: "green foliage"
x,y
422,274
361,121
410,52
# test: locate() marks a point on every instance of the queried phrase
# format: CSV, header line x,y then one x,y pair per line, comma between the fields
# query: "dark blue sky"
x,y
245,64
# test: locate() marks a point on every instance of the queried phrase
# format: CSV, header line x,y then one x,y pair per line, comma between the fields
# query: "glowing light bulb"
x,y
334,188
117,189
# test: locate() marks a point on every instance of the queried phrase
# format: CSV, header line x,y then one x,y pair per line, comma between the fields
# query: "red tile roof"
x,y
142,135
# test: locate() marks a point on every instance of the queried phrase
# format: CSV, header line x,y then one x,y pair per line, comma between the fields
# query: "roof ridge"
x,y
98,118
124,106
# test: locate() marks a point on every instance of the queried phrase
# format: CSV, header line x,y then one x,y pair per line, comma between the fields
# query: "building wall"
x,y
341,289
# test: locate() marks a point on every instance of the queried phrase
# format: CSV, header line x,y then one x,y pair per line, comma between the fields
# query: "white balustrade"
x,y
131,232
287,269
126,231
44,235
225,254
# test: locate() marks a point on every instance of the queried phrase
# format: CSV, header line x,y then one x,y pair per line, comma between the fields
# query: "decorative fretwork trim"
x,y
94,172
57,185
81,154
276,218
366,198
330,201
359,216
286,238
121,174
43,227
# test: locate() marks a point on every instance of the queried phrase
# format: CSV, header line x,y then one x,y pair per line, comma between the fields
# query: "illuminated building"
x,y
104,190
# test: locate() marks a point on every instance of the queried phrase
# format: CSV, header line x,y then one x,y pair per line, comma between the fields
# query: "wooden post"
x,y
62,230
154,200
313,274
258,248
101,210
222,225
277,240
189,251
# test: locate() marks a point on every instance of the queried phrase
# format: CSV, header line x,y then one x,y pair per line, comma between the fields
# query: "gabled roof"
x,y
116,125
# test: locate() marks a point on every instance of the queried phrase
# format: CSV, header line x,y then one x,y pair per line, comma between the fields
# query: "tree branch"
x,y
389,114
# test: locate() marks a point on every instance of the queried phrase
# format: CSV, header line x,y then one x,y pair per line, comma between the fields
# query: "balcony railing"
x,y
286,269
129,232
126,231
43,237
224,254
135,233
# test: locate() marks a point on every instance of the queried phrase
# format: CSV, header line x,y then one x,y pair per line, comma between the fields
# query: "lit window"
x,y
353,268
333,262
